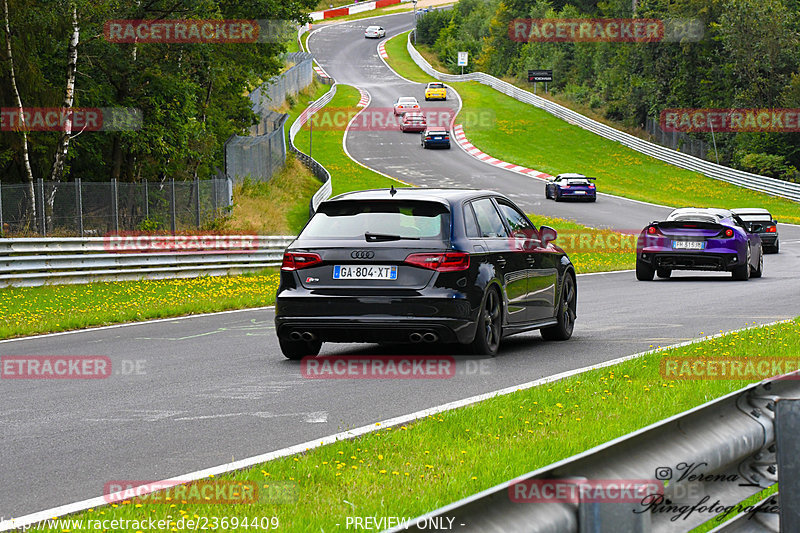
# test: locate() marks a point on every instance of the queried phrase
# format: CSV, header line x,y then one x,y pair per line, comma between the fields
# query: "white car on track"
x,y
374,32
404,104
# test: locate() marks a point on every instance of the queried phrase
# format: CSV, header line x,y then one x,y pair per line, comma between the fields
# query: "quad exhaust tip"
x,y
302,336
417,337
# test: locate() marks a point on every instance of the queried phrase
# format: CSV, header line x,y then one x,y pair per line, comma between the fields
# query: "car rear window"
x,y
711,219
756,218
404,218
435,86
578,181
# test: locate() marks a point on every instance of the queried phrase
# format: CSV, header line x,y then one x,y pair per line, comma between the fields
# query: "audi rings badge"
x,y
362,254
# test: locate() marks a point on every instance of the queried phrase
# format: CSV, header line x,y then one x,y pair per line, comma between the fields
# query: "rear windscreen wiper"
x,y
387,237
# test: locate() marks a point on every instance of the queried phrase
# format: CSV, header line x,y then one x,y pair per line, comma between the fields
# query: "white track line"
x,y
62,510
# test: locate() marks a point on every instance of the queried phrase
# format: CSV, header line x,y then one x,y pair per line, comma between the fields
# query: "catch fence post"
x,y
172,204
79,204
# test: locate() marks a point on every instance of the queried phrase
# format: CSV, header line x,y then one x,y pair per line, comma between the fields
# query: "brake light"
x,y
296,261
428,137
772,229
652,230
440,262
446,137
591,186
729,233
565,186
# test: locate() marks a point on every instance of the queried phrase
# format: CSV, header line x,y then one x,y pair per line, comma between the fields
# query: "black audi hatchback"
x,y
422,266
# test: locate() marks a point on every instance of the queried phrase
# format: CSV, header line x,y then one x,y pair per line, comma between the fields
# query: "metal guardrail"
x,y
732,437
747,180
321,173
37,261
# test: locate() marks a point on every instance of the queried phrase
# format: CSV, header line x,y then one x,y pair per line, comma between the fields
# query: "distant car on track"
x,y
435,90
374,32
425,265
413,122
404,104
435,137
699,239
575,186
761,222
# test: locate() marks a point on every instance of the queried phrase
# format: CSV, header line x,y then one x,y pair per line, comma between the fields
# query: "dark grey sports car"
x,y
422,265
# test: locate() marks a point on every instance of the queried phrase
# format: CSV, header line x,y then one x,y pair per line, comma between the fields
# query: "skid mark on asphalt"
x,y
251,392
311,417
256,328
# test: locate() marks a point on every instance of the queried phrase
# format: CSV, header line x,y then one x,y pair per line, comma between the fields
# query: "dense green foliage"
x,y
192,96
749,57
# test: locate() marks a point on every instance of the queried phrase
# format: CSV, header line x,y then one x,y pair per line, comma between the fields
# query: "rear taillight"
x,y
772,229
652,230
440,262
565,186
296,261
728,233
446,137
591,186
428,137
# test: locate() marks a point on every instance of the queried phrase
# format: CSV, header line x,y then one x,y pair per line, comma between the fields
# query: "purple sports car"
x,y
699,239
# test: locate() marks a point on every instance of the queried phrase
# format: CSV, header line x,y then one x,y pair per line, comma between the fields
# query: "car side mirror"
x,y
547,235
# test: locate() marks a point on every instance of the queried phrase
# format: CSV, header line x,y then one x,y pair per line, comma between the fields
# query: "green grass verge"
x,y
409,470
50,308
591,249
491,119
347,175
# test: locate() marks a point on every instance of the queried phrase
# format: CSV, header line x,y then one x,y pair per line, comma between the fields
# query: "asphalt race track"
x,y
216,388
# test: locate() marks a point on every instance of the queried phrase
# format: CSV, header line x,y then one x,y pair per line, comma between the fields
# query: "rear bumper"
x,y
768,239
375,318
437,143
436,96
720,262
575,195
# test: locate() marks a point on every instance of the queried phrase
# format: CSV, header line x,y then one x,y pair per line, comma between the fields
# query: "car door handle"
x,y
501,261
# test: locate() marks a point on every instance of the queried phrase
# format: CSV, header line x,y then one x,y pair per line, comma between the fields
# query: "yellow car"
x,y
435,91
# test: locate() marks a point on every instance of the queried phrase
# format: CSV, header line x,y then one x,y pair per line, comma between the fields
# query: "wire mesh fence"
x,y
677,140
98,208
258,157
263,153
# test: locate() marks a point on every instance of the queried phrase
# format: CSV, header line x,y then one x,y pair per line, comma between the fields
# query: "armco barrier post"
x,y
787,427
79,205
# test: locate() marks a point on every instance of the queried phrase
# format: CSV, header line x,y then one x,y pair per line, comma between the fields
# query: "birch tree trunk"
x,y
69,97
18,101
